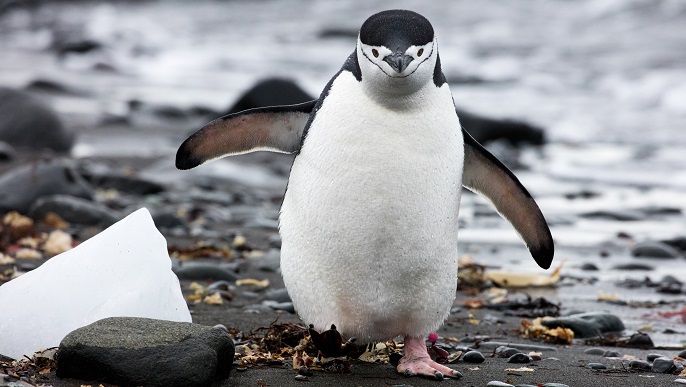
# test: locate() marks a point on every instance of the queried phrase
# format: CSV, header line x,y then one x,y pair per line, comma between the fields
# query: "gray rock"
x,y
7,152
640,340
654,249
28,123
652,356
204,271
589,267
140,351
638,364
271,262
663,365
589,324
473,357
497,383
611,353
504,351
680,381
596,366
554,385
278,295
74,210
22,186
594,351
519,358
285,306
682,354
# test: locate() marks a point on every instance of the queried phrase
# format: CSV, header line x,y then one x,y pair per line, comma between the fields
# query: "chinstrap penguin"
x,y
369,218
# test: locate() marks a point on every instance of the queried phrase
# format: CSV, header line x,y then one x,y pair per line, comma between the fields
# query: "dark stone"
x,y
654,249
519,358
633,266
682,354
21,186
271,92
589,324
334,33
55,87
594,351
485,129
204,271
620,215
669,279
473,357
670,288
275,91
138,351
596,366
611,353
168,220
653,356
504,351
640,340
589,267
677,243
7,152
285,306
663,365
637,364
27,123
127,184
80,46
74,210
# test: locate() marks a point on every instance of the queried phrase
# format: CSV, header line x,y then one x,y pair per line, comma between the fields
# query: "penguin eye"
x,y
420,52
375,53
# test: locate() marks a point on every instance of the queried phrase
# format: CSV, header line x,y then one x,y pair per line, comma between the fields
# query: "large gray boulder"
x,y
28,123
132,351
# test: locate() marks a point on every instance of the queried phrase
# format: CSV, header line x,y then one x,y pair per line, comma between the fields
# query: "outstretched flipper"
x,y
486,175
276,129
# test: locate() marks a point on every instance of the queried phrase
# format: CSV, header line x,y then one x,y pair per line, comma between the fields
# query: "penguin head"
x,y
397,51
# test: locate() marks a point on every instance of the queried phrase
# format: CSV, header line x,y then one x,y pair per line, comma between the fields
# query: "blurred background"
x,y
605,81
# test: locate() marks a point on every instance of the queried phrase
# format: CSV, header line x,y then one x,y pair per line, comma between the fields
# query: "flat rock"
x,y
594,351
140,351
27,123
22,186
663,365
473,357
586,325
205,271
74,210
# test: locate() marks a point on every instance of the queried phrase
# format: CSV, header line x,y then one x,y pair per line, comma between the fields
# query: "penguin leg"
x,y
416,361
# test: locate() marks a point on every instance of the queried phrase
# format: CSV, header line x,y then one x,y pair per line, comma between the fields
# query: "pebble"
x,y
594,351
663,365
519,358
639,364
633,266
285,306
305,371
497,383
504,351
652,356
301,378
473,357
535,356
680,381
596,366
611,353
201,271
555,385
589,267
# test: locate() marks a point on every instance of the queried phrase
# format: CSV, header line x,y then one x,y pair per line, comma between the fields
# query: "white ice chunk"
x,y
123,271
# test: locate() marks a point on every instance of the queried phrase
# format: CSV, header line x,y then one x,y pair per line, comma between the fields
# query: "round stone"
x,y
519,358
473,357
596,366
497,383
594,351
637,364
611,353
663,365
504,351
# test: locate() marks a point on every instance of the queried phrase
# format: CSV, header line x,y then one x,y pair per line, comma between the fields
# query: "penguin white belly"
x,y
369,219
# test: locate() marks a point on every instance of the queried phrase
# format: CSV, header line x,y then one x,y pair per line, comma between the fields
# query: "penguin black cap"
x,y
397,30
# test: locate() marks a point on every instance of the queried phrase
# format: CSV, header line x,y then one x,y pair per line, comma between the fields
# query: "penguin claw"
x,y
408,372
438,375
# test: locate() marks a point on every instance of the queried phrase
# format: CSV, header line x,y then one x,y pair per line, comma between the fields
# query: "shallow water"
x,y
605,78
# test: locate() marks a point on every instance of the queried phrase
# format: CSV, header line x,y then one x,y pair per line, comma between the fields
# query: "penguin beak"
x,y
398,61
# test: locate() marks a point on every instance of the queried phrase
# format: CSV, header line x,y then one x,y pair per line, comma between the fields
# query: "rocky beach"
x,y
584,101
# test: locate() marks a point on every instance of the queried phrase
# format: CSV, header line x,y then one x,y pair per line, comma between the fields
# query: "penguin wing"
x,y
275,128
487,176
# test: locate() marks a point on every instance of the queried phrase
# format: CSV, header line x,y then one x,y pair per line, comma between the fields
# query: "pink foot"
x,y
416,361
